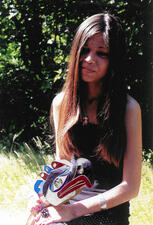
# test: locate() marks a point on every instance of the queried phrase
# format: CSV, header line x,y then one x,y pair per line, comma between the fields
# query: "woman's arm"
x,y
132,161
55,107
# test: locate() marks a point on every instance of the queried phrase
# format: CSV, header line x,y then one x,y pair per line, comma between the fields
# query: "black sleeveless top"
x,y
86,139
107,175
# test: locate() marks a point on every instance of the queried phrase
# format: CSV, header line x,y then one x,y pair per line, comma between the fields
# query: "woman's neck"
x,y
94,90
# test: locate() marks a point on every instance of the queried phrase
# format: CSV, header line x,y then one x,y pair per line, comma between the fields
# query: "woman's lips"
x,y
87,70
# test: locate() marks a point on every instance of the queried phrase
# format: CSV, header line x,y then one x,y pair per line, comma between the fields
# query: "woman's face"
x,y
94,59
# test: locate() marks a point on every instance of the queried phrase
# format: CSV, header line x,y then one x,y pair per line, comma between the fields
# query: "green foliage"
x,y
35,39
148,156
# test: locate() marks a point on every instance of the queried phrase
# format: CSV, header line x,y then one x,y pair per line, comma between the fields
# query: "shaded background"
x,y
35,40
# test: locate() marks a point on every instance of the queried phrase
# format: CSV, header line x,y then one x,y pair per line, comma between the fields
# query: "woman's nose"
x,y
90,58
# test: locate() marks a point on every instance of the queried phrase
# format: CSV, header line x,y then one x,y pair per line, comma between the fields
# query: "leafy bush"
x,y
35,41
148,156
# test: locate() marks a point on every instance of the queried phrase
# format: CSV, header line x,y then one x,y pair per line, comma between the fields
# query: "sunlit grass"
x,y
19,171
16,182
142,206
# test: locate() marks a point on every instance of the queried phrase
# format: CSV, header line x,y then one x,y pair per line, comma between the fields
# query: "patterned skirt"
x,y
116,216
104,218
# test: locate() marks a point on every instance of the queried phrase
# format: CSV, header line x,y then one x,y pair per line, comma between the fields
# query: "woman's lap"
x,y
99,219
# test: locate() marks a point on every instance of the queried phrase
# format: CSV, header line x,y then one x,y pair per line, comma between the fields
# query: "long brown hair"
x,y
112,103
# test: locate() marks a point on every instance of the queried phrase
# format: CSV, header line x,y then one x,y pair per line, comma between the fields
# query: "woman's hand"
x,y
34,210
56,214
37,208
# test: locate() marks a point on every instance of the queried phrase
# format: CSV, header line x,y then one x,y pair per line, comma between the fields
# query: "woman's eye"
x,y
84,51
102,54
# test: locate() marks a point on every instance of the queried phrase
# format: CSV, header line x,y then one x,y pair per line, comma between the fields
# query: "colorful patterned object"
x,y
63,180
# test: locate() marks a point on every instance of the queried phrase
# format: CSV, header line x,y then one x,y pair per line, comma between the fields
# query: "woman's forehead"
x,y
97,41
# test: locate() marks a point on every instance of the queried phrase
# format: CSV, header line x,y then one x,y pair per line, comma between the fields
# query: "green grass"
x,y
19,171
142,206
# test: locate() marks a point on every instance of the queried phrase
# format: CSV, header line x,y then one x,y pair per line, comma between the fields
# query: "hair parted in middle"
x,y
113,98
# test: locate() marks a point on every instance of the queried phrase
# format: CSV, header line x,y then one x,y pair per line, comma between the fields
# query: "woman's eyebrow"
x,y
102,47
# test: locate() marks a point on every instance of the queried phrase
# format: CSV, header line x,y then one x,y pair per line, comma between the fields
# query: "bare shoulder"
x,y
55,109
133,107
132,104
57,100
55,106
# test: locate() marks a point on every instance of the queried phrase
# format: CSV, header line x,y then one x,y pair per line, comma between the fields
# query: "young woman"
x,y
94,118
